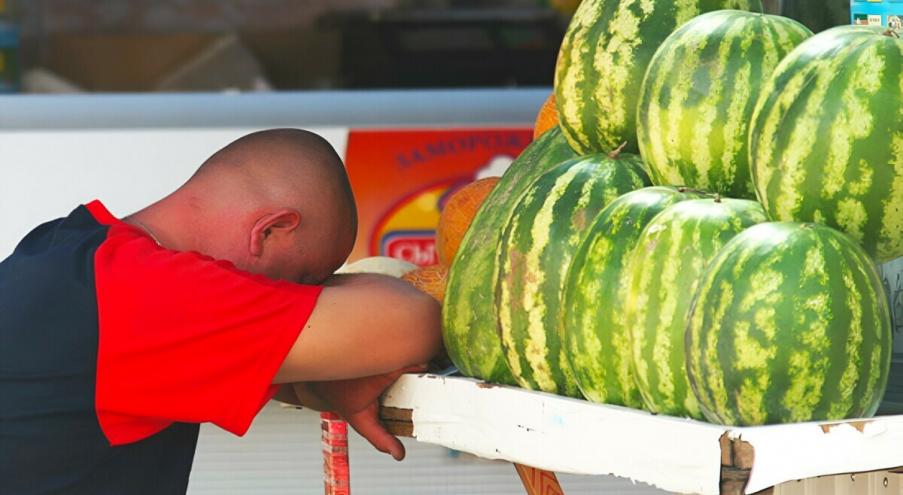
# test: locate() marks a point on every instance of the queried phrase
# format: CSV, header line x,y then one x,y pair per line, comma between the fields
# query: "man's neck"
x,y
168,223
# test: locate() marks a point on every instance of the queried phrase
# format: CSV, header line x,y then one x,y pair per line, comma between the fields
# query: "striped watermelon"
x,y
603,58
790,323
699,94
540,238
596,341
468,312
826,142
662,275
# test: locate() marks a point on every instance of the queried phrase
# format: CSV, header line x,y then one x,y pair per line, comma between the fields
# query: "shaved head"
x,y
275,202
291,153
285,166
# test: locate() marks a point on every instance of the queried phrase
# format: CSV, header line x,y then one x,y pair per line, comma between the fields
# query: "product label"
x,y
402,178
886,13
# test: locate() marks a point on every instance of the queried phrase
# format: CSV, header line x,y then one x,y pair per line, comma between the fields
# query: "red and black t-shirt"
x,y
113,350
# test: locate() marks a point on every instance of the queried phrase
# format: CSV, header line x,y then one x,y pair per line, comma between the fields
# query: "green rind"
x,y
663,272
468,311
699,93
790,323
547,225
602,61
596,339
826,141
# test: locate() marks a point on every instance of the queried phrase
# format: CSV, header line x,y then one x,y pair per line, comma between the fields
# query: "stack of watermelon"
x,y
696,233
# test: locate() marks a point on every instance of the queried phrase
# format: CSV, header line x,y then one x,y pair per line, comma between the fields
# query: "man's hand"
x,y
357,401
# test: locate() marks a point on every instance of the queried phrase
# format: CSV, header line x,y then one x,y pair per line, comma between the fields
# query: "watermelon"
x,y
540,238
826,141
468,312
596,341
790,323
699,93
663,273
602,61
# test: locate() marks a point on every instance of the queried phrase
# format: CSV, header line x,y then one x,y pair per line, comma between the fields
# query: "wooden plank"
x,y
736,453
684,456
551,432
399,428
397,421
737,459
395,414
744,454
733,480
727,450
538,481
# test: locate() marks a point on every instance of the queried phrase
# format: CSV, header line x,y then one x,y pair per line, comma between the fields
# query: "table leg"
x,y
538,481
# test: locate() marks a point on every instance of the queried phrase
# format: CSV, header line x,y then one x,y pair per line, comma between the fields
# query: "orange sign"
x,y
401,179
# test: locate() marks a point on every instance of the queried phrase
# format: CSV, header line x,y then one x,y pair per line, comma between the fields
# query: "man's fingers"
x,y
381,439
368,426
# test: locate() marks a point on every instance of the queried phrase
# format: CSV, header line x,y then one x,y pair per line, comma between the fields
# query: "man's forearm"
x,y
359,330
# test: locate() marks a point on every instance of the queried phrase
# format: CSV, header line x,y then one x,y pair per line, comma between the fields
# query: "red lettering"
x,y
420,251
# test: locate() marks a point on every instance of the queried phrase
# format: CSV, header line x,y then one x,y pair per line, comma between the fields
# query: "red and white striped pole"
x,y
336,473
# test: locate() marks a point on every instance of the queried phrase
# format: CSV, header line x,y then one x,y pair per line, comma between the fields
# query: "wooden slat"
x,y
538,481
395,414
397,421
737,458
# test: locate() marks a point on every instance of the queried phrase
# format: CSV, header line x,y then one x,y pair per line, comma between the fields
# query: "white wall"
x,y
45,174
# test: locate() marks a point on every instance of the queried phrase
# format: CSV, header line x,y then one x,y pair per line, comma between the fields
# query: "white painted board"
x,y
678,455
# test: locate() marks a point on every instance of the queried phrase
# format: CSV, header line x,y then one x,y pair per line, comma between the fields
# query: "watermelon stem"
x,y
701,192
617,151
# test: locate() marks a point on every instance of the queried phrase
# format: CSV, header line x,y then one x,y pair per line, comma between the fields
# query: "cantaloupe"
x,y
456,216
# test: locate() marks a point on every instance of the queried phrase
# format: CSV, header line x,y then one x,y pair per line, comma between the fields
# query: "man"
x,y
118,337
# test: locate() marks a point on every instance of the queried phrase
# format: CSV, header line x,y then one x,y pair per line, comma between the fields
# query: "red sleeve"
x,y
185,338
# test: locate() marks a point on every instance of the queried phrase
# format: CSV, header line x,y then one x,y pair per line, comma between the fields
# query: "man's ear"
x,y
276,223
